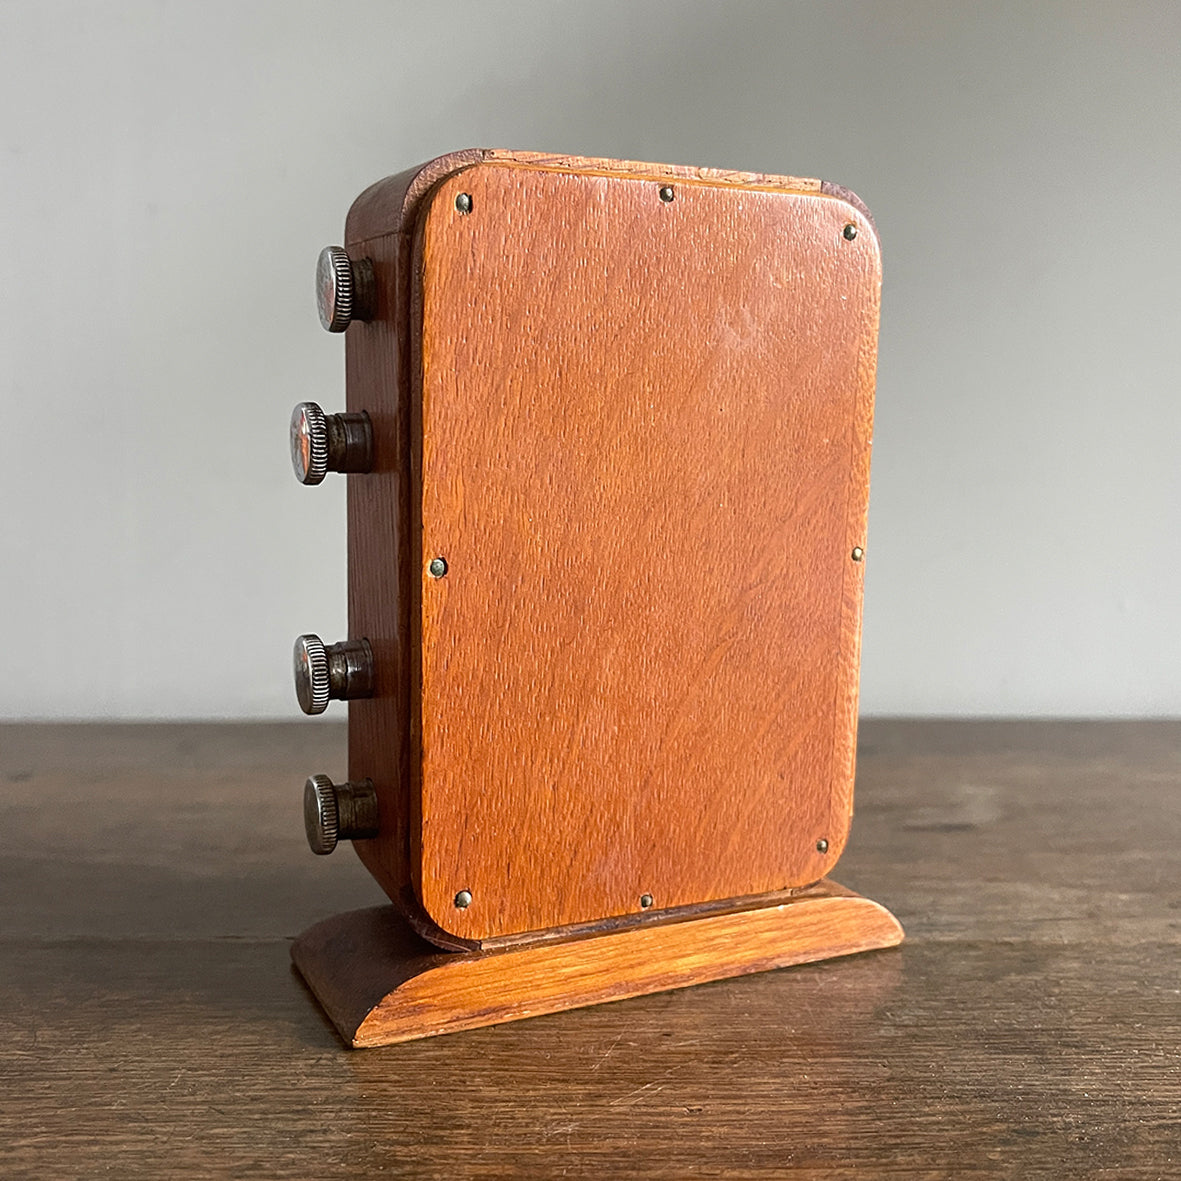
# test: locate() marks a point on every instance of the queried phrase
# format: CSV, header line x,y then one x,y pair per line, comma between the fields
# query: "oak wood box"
x,y
630,408
609,554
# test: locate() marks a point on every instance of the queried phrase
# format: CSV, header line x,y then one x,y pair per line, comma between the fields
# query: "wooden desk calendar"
x,y
608,433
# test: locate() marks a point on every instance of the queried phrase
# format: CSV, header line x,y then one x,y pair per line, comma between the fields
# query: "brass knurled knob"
x,y
331,672
345,288
333,813
323,443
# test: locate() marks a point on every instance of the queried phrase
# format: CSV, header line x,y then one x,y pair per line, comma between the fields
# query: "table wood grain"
x,y
153,876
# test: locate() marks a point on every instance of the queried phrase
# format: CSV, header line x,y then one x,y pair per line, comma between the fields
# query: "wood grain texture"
x,y
382,535
390,205
381,984
151,877
645,432
386,561
380,545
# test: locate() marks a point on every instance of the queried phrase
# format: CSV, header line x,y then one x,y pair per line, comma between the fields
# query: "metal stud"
x,y
850,232
437,568
463,899
645,901
822,846
857,554
667,193
464,202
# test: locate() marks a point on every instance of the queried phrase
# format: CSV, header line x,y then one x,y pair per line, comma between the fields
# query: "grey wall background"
x,y
171,170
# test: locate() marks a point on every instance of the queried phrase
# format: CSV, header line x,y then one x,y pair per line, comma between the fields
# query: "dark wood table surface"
x,y
152,878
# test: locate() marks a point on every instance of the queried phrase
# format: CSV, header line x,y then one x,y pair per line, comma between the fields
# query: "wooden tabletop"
x,y
152,878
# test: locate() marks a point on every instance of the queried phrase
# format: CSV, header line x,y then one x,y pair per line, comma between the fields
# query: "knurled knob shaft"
x,y
345,288
323,443
333,813
331,672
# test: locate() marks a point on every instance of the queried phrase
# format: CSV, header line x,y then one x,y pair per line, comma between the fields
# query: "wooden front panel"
x,y
645,432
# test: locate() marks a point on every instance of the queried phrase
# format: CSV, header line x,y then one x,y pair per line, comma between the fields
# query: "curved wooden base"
x,y
380,983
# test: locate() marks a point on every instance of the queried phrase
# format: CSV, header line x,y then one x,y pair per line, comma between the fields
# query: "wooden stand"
x,y
380,983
